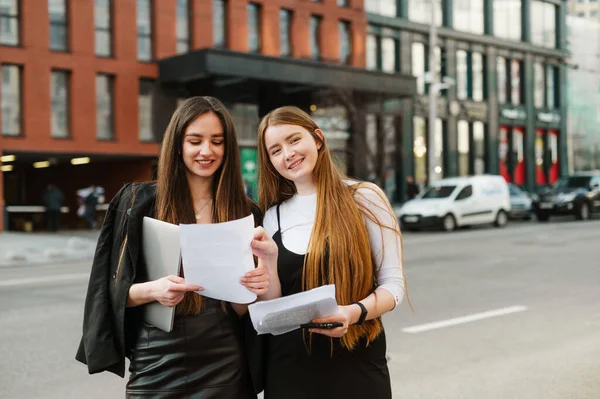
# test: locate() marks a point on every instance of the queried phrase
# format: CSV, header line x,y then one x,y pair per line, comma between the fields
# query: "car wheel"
x,y
501,219
542,217
528,217
583,213
449,223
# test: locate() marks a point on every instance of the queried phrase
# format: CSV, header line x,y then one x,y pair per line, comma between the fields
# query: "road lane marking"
x,y
464,319
45,279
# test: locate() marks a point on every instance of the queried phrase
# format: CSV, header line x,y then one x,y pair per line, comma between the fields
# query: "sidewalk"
x,y
18,249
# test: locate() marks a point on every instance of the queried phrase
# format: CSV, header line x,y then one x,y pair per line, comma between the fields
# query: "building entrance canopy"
x,y
218,69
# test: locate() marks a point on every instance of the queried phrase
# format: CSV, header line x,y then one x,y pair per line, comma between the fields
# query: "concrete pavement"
x,y
42,248
550,349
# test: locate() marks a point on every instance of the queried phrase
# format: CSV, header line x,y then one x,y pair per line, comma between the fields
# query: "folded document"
x,y
285,314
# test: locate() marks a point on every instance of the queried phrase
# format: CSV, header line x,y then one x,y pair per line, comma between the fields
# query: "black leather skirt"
x,y
203,357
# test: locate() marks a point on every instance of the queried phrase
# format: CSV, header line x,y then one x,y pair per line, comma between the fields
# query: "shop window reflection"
x,y
463,148
420,150
478,148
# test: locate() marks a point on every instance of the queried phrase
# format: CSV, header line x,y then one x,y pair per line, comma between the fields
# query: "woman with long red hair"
x,y
329,230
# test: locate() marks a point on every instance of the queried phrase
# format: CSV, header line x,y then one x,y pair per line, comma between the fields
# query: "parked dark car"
x,y
577,194
521,203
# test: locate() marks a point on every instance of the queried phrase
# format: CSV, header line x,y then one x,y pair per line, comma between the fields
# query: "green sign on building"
x,y
249,157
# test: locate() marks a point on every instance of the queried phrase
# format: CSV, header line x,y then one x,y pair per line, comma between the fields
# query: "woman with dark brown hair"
x,y
329,230
199,181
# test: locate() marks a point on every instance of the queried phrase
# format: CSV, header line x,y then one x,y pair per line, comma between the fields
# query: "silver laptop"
x,y
162,256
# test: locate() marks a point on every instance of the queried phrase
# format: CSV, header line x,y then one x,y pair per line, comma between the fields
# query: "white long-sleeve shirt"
x,y
297,216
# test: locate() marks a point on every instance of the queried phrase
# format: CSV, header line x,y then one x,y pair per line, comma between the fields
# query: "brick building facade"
x,y
99,79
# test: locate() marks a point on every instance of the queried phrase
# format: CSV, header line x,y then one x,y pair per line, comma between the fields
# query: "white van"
x,y
458,201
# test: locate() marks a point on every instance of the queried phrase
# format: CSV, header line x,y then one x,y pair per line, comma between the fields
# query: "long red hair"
x,y
339,250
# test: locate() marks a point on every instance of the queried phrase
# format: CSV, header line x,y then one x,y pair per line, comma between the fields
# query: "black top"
x,y
328,370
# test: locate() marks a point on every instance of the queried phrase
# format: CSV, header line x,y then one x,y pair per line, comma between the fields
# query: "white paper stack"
x,y
282,315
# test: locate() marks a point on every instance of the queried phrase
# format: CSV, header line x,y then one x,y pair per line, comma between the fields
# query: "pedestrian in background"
x,y
199,181
329,230
412,190
53,200
91,202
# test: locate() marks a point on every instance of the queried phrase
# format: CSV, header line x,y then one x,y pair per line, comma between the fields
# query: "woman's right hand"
x,y
170,290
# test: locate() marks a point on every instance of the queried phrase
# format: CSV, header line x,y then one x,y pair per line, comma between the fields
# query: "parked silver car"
x,y
521,203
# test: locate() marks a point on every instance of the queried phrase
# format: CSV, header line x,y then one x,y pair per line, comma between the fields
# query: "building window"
x,y
315,37
515,82
9,22
420,150
219,23
345,41
10,97
462,75
543,24
389,49
538,85
463,148
382,7
502,80
59,97
420,11
544,85
478,148
57,10
253,27
104,107
469,76
372,51
382,48
285,32
144,30
477,86
418,65
343,3
182,26
145,110
468,16
507,19
103,21
551,87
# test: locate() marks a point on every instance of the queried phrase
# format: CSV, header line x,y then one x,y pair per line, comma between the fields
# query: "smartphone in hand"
x,y
325,326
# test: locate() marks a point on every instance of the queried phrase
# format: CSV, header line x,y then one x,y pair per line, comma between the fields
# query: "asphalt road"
x,y
499,313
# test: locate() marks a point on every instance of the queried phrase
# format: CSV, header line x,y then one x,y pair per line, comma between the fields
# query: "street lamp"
x,y
434,88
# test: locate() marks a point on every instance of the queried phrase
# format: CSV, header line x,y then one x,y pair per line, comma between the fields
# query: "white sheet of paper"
x,y
285,314
216,256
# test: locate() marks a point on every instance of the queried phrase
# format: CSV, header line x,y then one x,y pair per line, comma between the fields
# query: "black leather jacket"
x,y
109,327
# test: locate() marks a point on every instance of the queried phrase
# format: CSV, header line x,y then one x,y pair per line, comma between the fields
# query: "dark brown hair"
x,y
173,196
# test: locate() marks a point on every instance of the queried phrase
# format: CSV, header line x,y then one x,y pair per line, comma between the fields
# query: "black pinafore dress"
x,y
292,372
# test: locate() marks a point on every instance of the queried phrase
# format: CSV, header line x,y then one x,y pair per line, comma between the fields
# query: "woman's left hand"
x,y
257,280
265,249
343,316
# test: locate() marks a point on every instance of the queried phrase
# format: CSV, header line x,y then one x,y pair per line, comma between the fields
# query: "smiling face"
x,y
293,151
203,146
